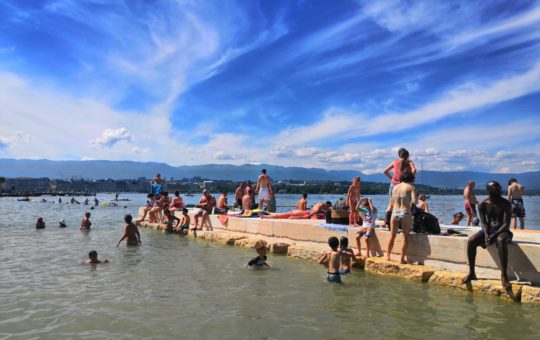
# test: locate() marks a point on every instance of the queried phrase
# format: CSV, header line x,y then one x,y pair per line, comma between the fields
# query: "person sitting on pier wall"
x,y
205,205
495,216
302,203
177,203
403,196
422,204
222,206
457,218
149,204
159,203
157,184
353,197
318,211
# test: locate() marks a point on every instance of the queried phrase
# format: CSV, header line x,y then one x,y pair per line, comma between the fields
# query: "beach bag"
x,y
426,223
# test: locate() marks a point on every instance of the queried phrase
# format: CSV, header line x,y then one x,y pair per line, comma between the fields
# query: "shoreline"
x,y
283,239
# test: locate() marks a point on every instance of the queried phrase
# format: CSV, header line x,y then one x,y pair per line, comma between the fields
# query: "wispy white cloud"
x,y
110,137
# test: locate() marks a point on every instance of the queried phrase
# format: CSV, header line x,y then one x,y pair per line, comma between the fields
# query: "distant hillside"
x,y
128,169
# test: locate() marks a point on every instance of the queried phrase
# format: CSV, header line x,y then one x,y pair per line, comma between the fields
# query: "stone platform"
x,y
440,260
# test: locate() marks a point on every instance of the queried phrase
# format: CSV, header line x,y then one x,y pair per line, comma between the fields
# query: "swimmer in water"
x,y
131,233
170,219
85,223
347,256
260,260
332,260
93,258
62,224
40,224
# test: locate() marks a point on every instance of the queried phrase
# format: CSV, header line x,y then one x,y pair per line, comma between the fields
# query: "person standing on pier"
x,y
495,215
353,197
470,203
238,194
263,189
515,196
398,166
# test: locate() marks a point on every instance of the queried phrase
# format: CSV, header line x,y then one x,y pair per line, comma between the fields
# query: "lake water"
x,y
174,287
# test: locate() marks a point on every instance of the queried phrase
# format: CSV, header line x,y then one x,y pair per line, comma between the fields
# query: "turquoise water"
x,y
174,287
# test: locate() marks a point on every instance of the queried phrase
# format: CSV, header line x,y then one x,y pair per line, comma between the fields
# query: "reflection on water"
x,y
173,287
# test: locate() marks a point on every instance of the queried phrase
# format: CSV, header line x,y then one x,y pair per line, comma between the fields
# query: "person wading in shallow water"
x,y
495,215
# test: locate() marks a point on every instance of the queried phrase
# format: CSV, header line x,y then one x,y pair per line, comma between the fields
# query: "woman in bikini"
x,y
403,196
177,204
353,197
398,166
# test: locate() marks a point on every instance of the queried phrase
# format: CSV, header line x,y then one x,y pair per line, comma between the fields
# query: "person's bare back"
x,y
515,191
131,233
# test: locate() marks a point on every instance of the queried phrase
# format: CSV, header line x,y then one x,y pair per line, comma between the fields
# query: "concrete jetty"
x,y
436,259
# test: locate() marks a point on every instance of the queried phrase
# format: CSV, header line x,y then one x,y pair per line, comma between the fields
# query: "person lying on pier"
x,y
332,260
93,258
170,219
131,233
318,211
85,223
368,213
495,215
183,226
40,224
347,256
260,260
302,203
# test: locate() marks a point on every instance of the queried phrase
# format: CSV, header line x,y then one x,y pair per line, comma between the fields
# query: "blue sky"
x,y
331,84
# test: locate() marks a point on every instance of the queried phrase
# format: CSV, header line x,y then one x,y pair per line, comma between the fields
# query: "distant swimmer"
x,y
495,216
59,200
40,224
263,189
62,224
85,223
332,260
470,203
302,203
96,201
131,233
93,258
260,260
86,201
515,196
43,200
353,197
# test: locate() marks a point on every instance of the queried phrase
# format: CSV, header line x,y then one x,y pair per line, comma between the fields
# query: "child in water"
x,y
40,224
170,219
131,233
347,256
183,226
369,215
62,224
93,258
260,260
85,223
332,260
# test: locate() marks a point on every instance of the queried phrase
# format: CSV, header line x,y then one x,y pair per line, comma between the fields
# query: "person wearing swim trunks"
x,y
85,223
131,233
353,197
368,213
302,203
515,196
40,224
403,196
238,194
332,260
263,189
260,260
495,216
169,221
470,202
183,226
347,256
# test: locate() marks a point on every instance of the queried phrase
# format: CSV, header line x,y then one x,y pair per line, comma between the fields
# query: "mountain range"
x,y
99,169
